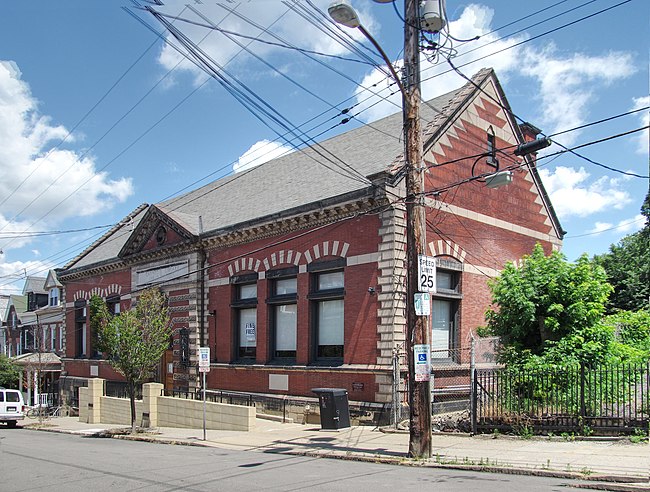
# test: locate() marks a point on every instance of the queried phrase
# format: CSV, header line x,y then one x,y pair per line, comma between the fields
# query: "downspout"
x,y
202,262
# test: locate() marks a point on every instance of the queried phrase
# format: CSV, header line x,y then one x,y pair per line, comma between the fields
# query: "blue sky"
x,y
97,115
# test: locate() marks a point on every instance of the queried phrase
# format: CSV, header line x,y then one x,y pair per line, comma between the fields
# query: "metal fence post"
x,y
583,409
472,383
396,399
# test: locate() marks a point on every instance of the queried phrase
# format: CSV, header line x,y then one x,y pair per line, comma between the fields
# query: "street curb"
x,y
616,483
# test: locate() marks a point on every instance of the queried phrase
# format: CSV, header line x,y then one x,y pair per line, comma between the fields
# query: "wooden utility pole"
x,y
417,331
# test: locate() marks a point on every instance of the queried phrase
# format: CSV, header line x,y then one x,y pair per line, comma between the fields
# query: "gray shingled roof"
x,y
110,244
35,285
302,178
4,304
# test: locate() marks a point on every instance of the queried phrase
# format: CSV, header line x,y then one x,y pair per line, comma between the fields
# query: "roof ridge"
x,y
106,235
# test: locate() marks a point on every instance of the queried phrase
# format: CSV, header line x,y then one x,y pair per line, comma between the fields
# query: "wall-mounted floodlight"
x,y
344,14
532,146
499,179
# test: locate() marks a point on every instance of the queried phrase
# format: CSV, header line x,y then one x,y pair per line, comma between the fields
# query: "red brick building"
x,y
293,272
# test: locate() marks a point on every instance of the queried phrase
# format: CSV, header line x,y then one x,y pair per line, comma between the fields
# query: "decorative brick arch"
x,y
443,247
327,248
243,265
113,289
289,256
282,257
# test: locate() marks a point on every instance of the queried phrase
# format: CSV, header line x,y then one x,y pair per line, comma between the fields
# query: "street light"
x,y
417,327
343,13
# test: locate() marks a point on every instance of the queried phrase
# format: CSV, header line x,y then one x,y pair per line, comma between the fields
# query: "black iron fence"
x,y
608,399
230,397
286,408
118,389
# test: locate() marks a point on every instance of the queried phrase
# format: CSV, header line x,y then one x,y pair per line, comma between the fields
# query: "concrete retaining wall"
x,y
176,412
155,410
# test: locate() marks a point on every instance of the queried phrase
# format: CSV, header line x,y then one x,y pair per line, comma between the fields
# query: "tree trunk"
x,y
131,390
544,335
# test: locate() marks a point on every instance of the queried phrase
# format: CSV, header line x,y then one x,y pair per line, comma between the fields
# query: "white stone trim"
x,y
492,221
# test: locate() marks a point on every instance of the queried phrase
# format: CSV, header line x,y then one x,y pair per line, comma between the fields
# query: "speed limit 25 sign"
x,y
426,273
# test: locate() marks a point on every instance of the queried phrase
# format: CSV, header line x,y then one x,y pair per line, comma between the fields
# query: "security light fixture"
x,y
497,180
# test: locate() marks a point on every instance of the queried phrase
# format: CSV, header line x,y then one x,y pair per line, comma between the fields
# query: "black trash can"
x,y
334,408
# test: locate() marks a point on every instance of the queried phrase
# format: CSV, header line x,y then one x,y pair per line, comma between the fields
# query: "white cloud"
x,y
475,20
226,50
567,84
12,233
37,176
631,225
573,195
259,153
625,226
13,274
600,227
644,118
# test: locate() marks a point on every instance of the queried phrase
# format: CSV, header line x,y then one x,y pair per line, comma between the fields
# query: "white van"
x,y
12,406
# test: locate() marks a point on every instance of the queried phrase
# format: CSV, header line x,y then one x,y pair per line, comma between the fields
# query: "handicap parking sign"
x,y
422,364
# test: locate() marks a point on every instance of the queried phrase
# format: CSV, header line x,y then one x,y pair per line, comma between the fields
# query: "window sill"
x,y
326,363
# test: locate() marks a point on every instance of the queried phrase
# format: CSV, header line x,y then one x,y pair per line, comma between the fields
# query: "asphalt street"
x,y
52,461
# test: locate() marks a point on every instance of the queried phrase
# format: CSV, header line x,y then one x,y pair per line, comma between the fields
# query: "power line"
x,y
566,149
21,235
528,40
619,226
598,122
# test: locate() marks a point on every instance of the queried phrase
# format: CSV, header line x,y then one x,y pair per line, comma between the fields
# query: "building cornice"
x,y
276,225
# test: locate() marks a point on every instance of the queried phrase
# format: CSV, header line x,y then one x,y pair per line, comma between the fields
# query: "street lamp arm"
x,y
385,57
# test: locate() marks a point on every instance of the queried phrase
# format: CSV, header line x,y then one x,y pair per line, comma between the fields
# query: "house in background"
x,y
50,315
35,325
15,343
4,303
293,272
36,297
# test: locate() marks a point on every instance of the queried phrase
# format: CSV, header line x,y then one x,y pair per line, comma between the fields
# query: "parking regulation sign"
x,y
421,353
204,359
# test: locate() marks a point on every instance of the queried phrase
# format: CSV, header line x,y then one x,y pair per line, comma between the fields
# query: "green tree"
x,y
9,373
632,334
628,268
135,340
545,303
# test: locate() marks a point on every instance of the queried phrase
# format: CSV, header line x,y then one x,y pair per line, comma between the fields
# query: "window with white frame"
x,y
244,306
284,314
54,296
445,306
52,338
80,328
327,296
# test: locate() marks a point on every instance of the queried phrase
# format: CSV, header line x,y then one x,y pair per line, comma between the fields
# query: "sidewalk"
x,y
603,464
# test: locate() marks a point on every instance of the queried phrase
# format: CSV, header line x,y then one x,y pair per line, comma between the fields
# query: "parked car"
x,y
12,406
